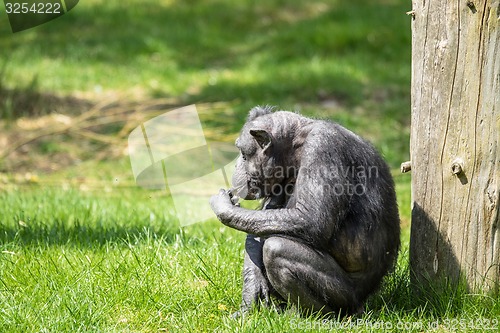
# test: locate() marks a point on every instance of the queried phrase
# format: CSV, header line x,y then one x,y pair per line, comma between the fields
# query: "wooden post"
x,y
455,129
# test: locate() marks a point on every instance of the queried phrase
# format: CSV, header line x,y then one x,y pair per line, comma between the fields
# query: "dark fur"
x,y
328,240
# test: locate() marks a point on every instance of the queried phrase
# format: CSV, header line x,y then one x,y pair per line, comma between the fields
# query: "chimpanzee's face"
x,y
256,170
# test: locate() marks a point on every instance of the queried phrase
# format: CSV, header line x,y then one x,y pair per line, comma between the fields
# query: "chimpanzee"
x,y
328,230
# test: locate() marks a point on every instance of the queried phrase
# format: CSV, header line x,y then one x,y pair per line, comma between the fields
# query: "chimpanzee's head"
x,y
259,168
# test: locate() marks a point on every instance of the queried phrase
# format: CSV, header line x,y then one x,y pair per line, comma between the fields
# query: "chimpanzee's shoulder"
x,y
333,138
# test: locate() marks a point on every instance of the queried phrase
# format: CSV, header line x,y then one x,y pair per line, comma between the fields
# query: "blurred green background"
x,y
349,62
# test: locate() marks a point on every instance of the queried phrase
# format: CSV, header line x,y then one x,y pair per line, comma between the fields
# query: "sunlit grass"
x,y
118,261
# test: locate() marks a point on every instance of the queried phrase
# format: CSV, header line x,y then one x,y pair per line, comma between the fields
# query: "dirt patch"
x,y
47,133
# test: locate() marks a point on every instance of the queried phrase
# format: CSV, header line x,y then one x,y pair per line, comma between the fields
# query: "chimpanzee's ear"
x,y
262,137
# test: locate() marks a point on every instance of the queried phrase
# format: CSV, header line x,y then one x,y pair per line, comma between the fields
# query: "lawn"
x,y
83,249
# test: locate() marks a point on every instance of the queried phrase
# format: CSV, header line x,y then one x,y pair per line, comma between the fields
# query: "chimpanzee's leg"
x,y
309,277
256,286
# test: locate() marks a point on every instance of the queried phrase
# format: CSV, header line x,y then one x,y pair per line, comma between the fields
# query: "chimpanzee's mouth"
x,y
254,190
254,194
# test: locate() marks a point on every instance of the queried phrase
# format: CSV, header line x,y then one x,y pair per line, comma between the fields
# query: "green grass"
x,y
115,262
84,249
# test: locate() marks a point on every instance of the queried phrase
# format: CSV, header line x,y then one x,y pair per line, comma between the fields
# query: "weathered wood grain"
x,y
455,149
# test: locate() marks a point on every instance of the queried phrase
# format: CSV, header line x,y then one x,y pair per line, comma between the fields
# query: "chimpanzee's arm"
x,y
288,221
312,221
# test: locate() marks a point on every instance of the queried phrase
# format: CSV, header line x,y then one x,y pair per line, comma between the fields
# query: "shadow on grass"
x,y
57,232
99,230
50,216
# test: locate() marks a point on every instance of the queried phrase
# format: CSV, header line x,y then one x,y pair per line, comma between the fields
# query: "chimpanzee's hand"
x,y
221,202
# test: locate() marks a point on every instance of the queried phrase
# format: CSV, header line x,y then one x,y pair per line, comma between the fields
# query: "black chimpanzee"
x,y
328,230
